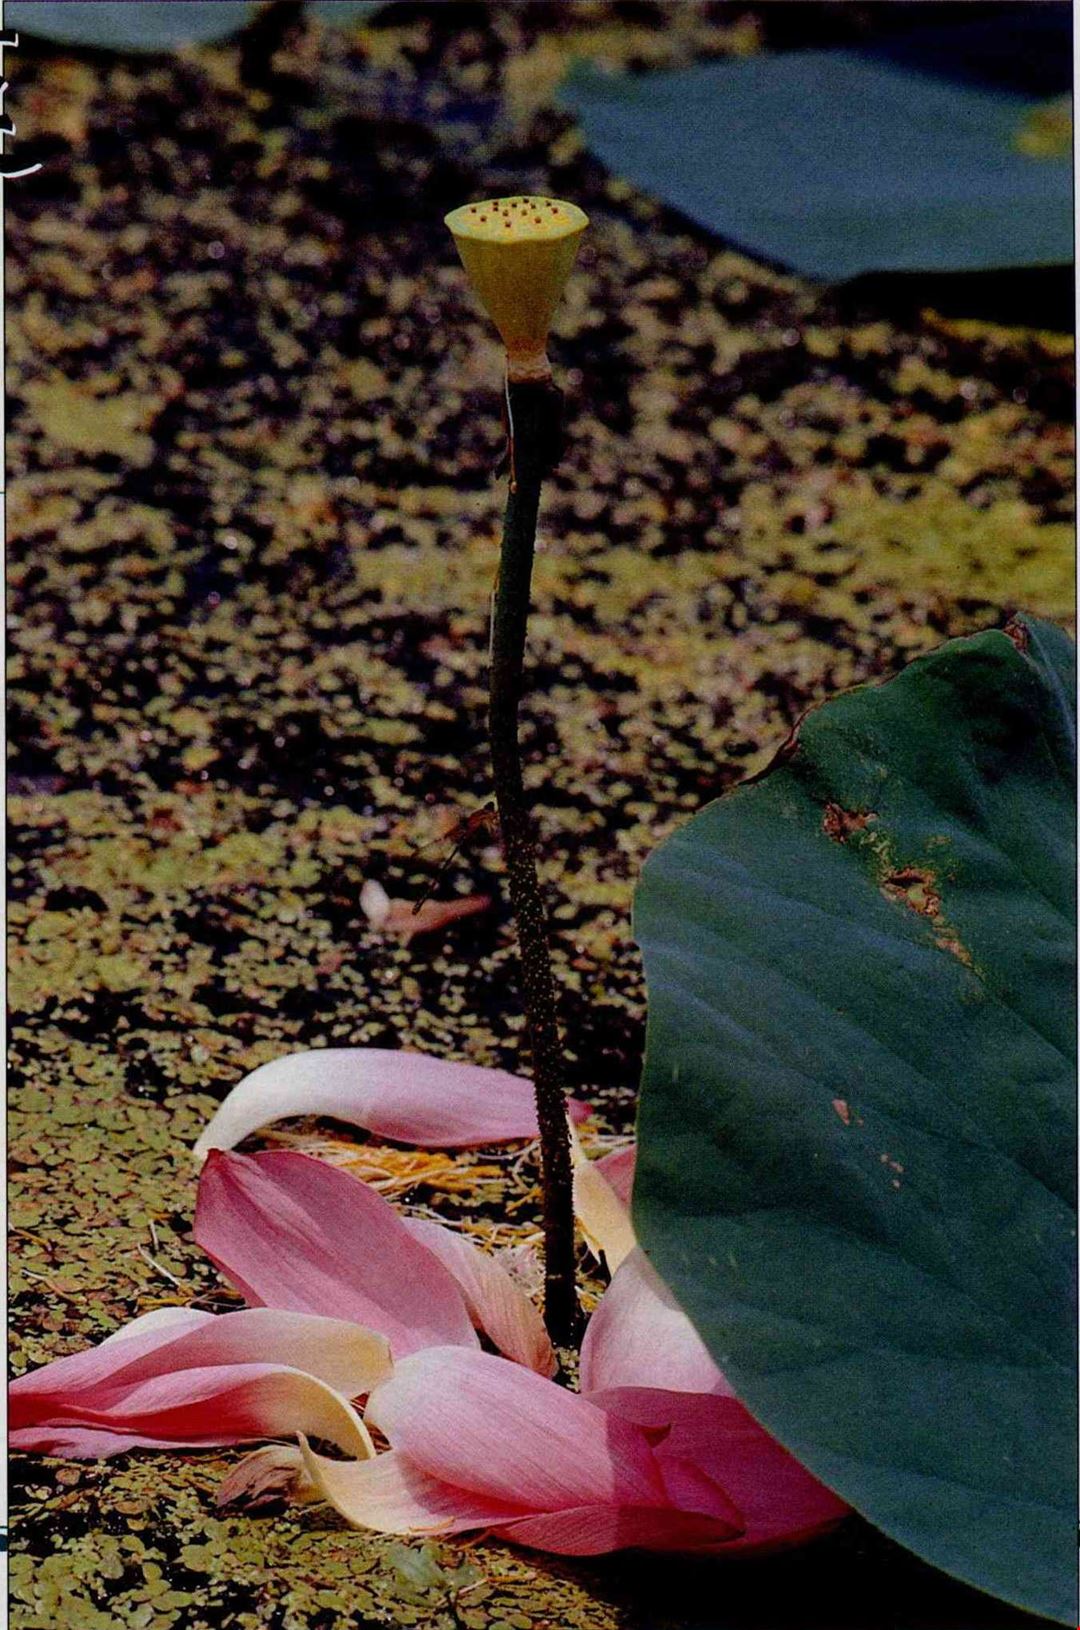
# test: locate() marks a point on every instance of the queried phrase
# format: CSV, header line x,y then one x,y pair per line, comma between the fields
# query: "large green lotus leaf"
x,y
838,163
856,1135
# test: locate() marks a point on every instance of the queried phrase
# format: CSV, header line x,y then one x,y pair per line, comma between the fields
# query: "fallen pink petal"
x,y
360,1315
639,1336
289,1231
400,1095
547,1466
618,1169
495,1301
180,1377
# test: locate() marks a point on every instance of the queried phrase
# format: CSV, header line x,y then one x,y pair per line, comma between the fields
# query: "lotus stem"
x,y
518,253
533,411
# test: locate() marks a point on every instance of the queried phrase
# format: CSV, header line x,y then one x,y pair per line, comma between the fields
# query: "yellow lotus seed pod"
x,y
518,253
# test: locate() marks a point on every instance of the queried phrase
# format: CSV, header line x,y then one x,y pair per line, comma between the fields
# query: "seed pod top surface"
x,y
518,253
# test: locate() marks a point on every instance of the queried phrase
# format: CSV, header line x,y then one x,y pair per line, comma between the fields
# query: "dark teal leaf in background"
x,y
155,25
857,1135
344,13
836,163
129,25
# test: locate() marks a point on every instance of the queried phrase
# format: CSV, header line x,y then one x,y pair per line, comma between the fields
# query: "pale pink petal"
x,y
292,1232
400,1095
480,1442
497,1304
392,1496
714,1439
86,1442
618,1169
161,1323
640,1337
226,1403
494,1428
603,1217
344,1355
593,1530
216,1379
144,1335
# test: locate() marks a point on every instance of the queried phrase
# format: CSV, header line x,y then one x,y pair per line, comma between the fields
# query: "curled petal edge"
x,y
405,1096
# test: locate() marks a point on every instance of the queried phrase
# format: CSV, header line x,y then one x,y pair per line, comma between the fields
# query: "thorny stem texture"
x,y
534,415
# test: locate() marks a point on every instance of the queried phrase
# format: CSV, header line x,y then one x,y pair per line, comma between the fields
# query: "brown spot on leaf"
x,y
955,947
916,889
839,823
913,888
1016,631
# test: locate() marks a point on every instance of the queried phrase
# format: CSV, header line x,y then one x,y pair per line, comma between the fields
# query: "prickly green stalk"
x,y
533,412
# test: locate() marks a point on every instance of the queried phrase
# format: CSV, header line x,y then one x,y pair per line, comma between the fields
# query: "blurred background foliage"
x,y
924,148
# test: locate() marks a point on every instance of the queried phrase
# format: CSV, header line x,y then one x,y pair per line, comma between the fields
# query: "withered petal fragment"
x,y
404,920
268,1477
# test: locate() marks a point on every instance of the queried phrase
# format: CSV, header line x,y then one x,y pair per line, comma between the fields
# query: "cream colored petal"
x,y
392,1496
603,1218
